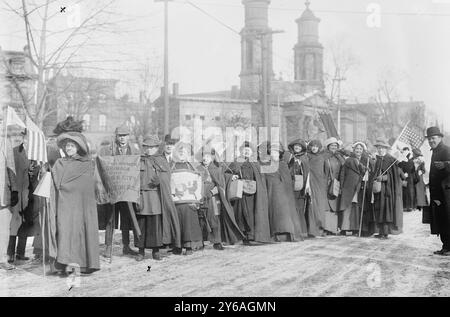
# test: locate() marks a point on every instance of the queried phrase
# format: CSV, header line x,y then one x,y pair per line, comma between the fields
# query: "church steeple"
x,y
308,52
256,23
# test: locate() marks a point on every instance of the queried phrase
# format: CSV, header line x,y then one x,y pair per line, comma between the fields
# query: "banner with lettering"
x,y
120,177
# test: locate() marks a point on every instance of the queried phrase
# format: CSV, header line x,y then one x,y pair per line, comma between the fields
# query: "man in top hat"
x,y
387,214
440,188
121,146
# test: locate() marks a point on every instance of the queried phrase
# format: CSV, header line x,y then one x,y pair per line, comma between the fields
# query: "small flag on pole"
x,y
412,135
13,119
36,147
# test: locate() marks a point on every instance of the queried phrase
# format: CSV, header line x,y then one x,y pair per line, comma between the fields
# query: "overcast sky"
x,y
411,47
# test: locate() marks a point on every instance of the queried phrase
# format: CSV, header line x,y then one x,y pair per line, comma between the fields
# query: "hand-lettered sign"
x,y
120,177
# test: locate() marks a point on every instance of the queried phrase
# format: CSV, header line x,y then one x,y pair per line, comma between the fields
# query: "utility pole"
x,y
166,65
265,81
338,79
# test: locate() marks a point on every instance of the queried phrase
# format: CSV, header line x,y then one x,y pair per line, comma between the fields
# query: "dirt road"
x,y
403,265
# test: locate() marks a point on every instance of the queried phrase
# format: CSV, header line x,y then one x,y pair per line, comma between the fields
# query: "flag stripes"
x,y
36,147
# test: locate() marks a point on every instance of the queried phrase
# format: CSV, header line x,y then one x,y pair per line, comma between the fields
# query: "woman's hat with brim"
x,y
298,142
363,145
416,153
151,141
330,141
76,137
381,143
432,131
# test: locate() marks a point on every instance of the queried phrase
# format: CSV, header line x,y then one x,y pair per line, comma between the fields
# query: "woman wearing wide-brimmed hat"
x,y
333,165
149,214
76,209
251,211
217,216
355,184
387,196
285,222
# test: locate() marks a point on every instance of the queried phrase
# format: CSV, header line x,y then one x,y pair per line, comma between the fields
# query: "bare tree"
x,y
52,50
340,62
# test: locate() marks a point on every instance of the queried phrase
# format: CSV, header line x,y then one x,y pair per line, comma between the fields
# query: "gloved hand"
x,y
14,198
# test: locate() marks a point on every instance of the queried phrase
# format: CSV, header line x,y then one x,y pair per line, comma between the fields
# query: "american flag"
x,y
412,135
36,147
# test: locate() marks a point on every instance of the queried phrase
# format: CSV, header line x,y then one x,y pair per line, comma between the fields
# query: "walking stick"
x,y
113,220
43,233
364,198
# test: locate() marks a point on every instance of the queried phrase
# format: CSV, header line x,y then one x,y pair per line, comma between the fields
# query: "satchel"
x,y
298,179
298,183
335,186
249,187
376,187
235,189
334,189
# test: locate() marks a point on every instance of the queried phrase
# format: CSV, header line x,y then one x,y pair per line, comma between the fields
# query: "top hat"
x,y
151,140
432,131
382,142
122,130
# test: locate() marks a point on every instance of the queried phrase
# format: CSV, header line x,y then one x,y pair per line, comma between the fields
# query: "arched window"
x,y
102,122
87,122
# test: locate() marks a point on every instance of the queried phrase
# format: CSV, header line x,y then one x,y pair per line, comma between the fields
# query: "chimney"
x,y
175,88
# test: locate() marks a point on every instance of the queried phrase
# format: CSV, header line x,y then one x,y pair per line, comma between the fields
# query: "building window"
x,y
217,118
86,122
102,122
202,118
187,117
17,69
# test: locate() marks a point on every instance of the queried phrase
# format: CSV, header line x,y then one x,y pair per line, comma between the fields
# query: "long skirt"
x,y
191,232
151,232
349,218
244,210
5,219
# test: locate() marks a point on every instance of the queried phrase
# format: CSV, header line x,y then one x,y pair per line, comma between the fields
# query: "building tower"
x,y
255,35
308,53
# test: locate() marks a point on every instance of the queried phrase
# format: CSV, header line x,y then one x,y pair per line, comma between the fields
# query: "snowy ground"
x,y
332,266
